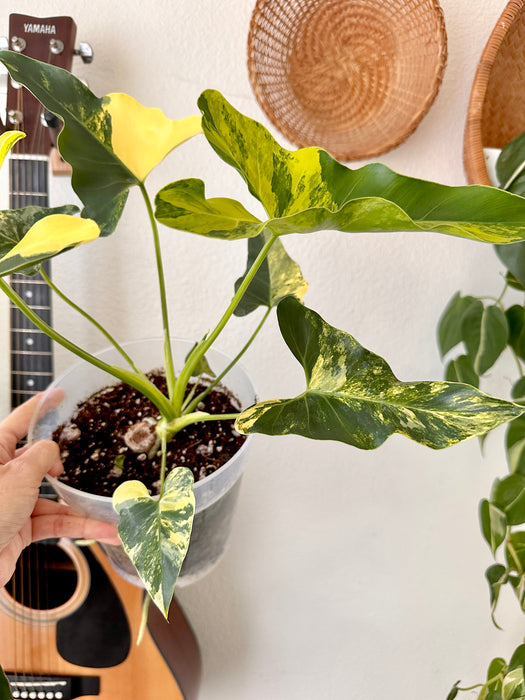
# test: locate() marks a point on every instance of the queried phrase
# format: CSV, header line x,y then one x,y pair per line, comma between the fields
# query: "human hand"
x,y
24,518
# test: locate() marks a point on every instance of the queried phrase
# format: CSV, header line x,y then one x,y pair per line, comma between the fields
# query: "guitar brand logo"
x,y
39,28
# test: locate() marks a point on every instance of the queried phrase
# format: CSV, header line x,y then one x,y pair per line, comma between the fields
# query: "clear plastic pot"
x,y
215,495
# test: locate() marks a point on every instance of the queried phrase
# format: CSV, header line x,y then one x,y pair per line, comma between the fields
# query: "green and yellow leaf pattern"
x,y
112,143
353,396
308,190
156,532
30,235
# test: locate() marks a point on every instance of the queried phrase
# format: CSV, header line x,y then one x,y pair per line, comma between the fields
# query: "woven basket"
x,y
496,112
352,76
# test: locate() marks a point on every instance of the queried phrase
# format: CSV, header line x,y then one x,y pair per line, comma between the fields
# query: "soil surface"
x,y
111,438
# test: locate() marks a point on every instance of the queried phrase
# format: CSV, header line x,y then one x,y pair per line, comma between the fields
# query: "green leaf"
x,y
461,370
512,684
511,164
518,391
515,551
5,688
513,282
517,582
497,669
112,142
202,367
308,190
496,576
15,224
493,524
514,442
454,691
508,494
353,396
156,533
278,276
183,205
485,332
450,323
513,257
516,322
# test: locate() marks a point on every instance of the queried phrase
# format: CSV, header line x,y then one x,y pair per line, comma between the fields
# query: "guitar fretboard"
x,y
31,350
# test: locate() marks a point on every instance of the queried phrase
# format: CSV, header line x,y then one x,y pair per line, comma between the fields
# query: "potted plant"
x,y
351,394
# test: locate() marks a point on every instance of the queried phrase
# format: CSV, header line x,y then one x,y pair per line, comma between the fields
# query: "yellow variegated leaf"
x,y
156,532
7,141
141,137
52,234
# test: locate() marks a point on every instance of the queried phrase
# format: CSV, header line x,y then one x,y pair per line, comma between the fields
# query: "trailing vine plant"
x,y
485,328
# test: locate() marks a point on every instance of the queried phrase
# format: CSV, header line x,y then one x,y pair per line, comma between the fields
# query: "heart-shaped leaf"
x,y
450,323
353,396
33,234
513,257
493,524
461,370
308,190
508,494
278,277
156,532
112,142
485,332
510,165
496,576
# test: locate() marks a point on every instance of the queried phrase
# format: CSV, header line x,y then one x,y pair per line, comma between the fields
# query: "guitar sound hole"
x,y
45,577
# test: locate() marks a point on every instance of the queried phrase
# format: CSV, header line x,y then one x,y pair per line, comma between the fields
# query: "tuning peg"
x,y
85,52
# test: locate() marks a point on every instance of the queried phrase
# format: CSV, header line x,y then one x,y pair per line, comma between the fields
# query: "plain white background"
x,y
350,575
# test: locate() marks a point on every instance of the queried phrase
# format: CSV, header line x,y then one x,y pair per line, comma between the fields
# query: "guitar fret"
x,y
30,352
33,374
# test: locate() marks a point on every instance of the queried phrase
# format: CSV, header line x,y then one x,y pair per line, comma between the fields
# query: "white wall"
x,y
350,574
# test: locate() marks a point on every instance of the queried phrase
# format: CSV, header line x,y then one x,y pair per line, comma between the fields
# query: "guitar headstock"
x,y
49,39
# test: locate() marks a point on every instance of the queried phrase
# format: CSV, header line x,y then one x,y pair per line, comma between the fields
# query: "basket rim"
x,y
351,152
473,157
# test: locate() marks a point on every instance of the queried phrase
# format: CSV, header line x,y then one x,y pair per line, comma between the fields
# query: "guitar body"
x,y
100,631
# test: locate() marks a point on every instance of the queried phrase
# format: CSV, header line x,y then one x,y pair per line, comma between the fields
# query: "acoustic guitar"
x,y
68,622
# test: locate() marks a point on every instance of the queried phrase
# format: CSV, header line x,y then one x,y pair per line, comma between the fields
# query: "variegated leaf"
x,y
28,236
307,190
156,532
353,396
7,141
183,205
112,142
493,524
279,276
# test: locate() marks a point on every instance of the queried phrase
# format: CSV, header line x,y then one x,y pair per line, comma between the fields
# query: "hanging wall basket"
x,y
496,112
352,76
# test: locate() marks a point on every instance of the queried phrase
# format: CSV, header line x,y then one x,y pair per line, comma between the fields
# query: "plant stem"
x,y
90,318
191,407
164,444
200,350
138,382
168,354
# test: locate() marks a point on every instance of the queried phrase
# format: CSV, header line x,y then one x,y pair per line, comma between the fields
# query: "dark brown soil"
x,y
97,459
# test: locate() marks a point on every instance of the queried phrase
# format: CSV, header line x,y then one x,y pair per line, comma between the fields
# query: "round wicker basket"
x,y
496,112
352,76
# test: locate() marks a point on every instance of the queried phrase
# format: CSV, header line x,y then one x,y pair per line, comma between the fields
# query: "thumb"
x,y
35,462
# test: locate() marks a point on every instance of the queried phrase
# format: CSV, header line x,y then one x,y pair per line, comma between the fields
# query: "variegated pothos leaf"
x,y
353,396
308,190
156,532
112,143
7,141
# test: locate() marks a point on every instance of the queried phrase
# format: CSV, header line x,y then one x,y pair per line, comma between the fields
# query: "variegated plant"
x,y
351,395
